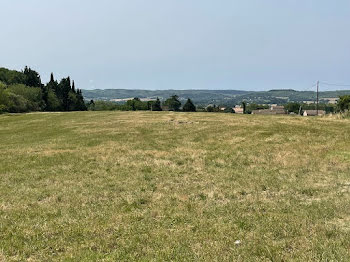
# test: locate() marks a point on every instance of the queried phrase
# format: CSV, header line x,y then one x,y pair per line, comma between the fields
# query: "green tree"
x,y
32,77
81,106
189,106
73,87
156,106
244,105
344,103
212,108
32,96
91,105
173,103
64,87
293,107
16,103
23,92
53,103
137,104
11,77
229,110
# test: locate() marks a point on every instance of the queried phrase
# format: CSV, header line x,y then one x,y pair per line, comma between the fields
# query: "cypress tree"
x,y
64,88
73,87
244,105
51,78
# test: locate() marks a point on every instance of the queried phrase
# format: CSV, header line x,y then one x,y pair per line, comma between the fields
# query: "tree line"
x,y
174,104
171,104
24,92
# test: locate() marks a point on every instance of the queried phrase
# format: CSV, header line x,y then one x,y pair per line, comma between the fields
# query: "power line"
x,y
310,88
331,84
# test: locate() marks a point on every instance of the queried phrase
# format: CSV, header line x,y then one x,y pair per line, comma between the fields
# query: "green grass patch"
x,y
165,186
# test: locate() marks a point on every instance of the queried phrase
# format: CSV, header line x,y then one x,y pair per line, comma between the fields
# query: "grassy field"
x,y
148,186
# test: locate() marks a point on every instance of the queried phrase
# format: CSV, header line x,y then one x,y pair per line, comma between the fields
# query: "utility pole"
x,y
318,85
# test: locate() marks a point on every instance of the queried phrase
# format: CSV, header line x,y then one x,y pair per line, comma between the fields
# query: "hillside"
x,y
199,96
220,97
165,186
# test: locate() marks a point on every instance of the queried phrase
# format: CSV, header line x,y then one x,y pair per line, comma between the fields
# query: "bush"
x,y
16,103
32,96
3,109
344,103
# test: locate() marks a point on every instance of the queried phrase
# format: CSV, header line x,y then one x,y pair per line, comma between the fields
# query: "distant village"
x,y
276,110
318,107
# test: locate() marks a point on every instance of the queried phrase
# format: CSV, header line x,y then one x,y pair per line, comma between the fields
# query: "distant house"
x,y
165,108
309,102
274,110
314,113
238,110
222,108
276,107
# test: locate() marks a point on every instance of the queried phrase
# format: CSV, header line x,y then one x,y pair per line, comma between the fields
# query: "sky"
x,y
180,44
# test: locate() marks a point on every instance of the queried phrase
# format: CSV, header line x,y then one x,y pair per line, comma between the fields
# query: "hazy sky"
x,y
180,44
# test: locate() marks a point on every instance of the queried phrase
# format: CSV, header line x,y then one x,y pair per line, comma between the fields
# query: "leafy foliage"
x,y
24,92
189,106
156,106
32,78
344,103
137,104
293,107
250,107
173,103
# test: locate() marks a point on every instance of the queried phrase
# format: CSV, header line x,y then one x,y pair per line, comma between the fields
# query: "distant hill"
x,y
198,96
219,97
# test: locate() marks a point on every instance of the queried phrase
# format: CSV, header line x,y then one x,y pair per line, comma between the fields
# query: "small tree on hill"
x,y
189,106
229,110
156,106
244,106
344,103
173,103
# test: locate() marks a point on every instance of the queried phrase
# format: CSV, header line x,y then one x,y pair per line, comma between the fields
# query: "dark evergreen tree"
x,y
156,106
32,78
45,96
81,106
52,78
244,105
64,88
189,106
149,105
53,102
73,87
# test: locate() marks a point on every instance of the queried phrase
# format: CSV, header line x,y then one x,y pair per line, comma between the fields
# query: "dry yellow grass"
x,y
156,186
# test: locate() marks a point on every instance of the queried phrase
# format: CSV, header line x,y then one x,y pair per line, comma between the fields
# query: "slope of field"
x,y
165,186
